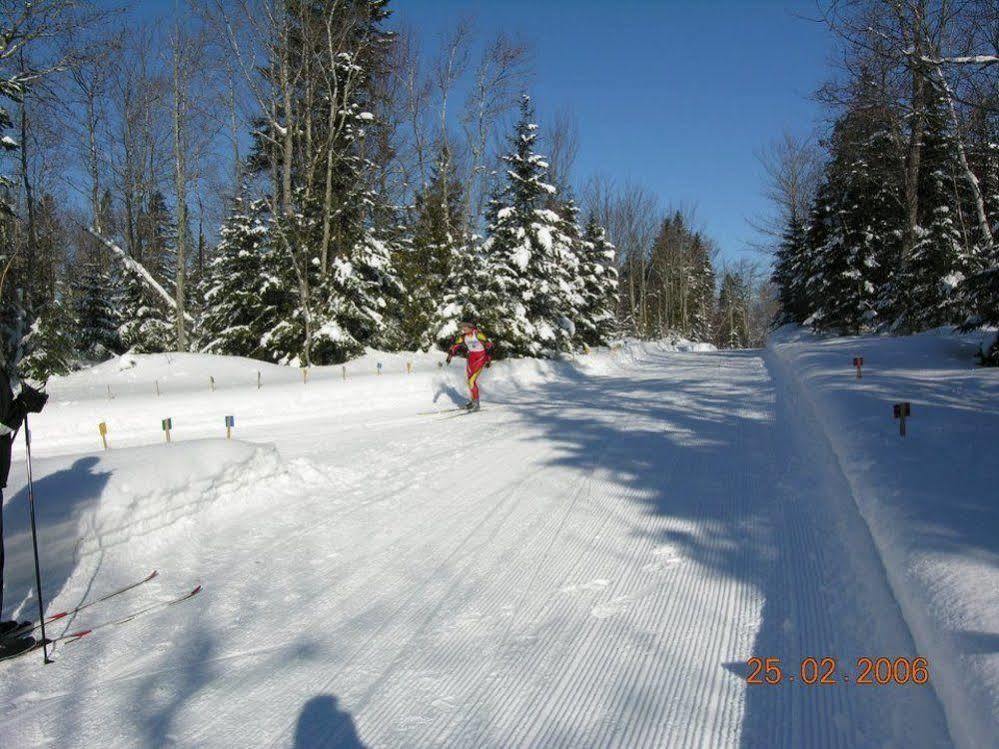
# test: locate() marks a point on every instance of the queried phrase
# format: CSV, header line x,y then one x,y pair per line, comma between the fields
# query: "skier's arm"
x,y
11,411
458,342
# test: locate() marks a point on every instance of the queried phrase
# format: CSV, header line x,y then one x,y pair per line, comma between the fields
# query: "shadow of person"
x,y
444,389
323,724
60,500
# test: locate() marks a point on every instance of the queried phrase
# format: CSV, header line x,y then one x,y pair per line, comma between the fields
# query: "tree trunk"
x,y
180,184
976,191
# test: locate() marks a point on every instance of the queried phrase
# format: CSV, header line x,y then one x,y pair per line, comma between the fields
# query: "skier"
x,y
474,345
13,409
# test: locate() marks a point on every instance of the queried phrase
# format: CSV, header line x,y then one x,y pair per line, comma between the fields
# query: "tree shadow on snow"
x,y
729,489
60,499
323,724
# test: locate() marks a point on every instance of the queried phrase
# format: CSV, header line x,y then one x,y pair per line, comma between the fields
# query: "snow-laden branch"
x,y
967,60
139,269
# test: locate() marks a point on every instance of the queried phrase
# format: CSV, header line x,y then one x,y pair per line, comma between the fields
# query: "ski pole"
x,y
34,542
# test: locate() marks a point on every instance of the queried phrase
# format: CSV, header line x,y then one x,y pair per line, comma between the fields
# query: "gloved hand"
x,y
489,363
32,401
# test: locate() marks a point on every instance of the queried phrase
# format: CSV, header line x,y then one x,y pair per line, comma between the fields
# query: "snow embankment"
x,y
106,519
929,498
132,394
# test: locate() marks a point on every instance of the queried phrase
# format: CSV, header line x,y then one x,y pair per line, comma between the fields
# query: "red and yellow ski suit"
x,y
478,350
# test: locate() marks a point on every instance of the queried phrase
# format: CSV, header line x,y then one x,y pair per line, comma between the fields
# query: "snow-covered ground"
x,y
931,499
589,561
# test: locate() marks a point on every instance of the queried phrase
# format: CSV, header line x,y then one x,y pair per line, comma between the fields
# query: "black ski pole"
x,y
34,542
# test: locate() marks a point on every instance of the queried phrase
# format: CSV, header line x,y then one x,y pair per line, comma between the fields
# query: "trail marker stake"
x,y
167,426
157,388
103,429
409,367
211,382
230,423
305,375
258,379
345,374
110,396
858,362
379,367
902,412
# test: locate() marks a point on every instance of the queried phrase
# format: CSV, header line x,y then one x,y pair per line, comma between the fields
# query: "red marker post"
x,y
902,412
858,362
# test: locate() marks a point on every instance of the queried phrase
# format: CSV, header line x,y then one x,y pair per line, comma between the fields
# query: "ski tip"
x,y
152,574
78,635
196,591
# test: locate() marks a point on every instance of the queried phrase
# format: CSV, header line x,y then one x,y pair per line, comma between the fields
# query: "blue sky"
x,y
676,95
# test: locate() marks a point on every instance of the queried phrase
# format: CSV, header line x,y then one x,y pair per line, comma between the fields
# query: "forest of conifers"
x,y
298,181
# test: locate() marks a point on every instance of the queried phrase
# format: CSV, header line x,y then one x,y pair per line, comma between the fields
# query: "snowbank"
x,y
929,499
102,517
132,394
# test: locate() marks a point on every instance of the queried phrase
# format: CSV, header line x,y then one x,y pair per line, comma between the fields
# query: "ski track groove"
x,y
585,482
372,582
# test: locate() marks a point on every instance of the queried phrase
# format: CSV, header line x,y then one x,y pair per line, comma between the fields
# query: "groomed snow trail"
x,y
586,563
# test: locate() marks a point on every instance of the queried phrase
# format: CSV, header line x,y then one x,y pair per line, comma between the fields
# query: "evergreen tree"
x,y
923,291
791,273
96,317
701,291
146,326
157,238
429,263
232,287
732,329
864,224
680,282
338,280
13,312
598,275
525,283
49,346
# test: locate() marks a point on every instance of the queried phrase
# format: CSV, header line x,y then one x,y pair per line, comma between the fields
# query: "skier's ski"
x,y
86,605
442,411
465,412
80,634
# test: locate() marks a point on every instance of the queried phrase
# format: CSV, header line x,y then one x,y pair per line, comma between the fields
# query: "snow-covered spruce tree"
x,y
732,329
701,290
232,287
921,292
791,271
679,283
863,222
157,237
145,325
49,345
321,70
978,294
13,311
597,323
95,291
527,286
429,262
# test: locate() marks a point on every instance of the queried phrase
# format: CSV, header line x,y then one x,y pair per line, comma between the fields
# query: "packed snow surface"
x,y
587,562
929,498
